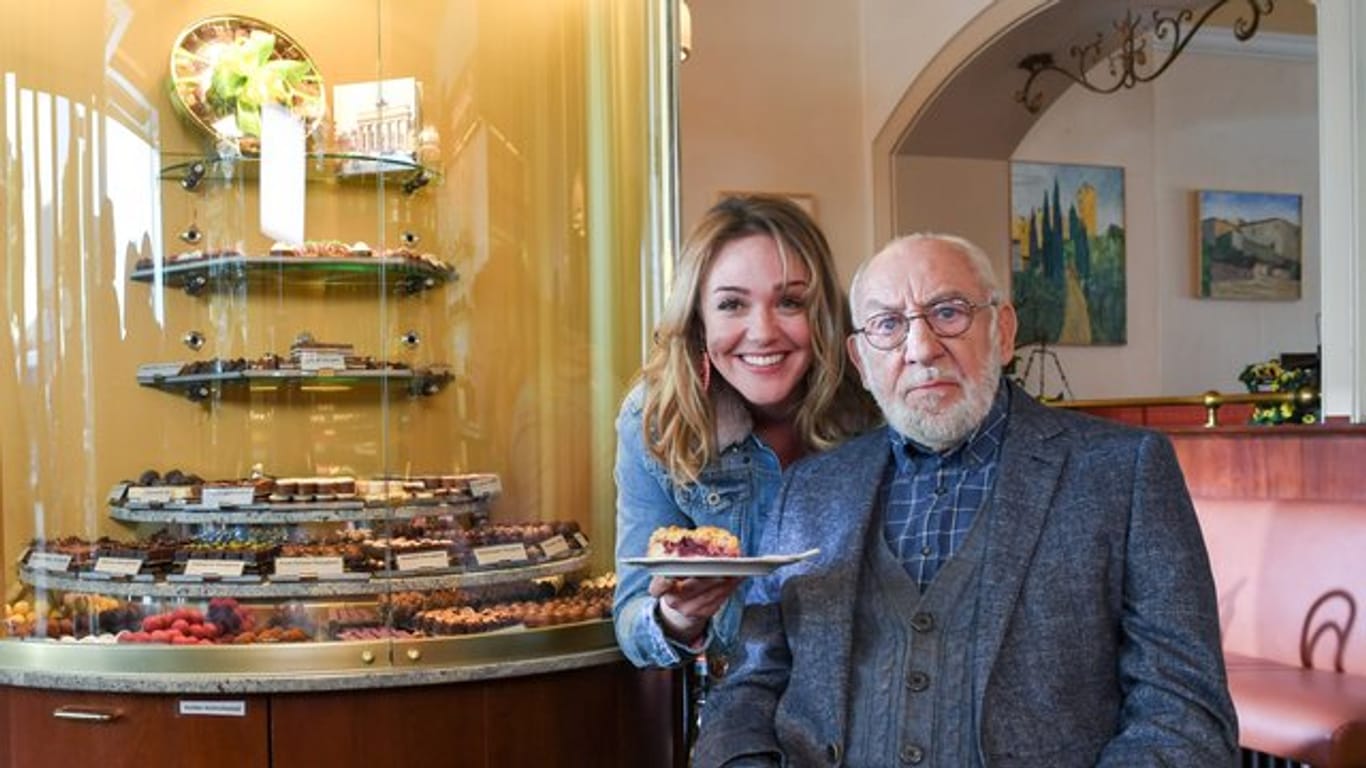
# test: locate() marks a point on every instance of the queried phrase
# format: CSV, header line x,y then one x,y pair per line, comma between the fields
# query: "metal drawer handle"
x,y
85,714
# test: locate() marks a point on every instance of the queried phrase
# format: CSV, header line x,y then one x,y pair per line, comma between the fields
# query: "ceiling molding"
x,y
1220,41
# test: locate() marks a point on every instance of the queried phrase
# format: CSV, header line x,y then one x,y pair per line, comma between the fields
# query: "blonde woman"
x,y
747,375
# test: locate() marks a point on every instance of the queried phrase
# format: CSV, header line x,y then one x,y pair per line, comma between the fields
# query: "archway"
x,y
942,162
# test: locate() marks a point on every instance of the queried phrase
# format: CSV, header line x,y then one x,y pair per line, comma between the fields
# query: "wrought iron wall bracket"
x,y
1128,58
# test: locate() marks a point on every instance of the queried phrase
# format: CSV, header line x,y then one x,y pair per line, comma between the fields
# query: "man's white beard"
x,y
940,431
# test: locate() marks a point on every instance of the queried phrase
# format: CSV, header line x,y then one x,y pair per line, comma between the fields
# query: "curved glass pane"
x,y
316,324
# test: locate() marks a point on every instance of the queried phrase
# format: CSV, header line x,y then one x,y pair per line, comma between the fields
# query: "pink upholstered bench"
x,y
1291,577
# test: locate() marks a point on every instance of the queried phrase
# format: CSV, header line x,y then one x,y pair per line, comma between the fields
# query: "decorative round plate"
x,y
224,68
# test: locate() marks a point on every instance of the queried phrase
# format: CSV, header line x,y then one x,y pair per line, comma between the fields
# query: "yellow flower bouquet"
x,y
1271,376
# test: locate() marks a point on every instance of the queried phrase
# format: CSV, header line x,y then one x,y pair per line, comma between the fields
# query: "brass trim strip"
x,y
1211,401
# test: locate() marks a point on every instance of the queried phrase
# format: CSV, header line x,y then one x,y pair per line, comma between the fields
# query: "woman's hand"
x,y
686,605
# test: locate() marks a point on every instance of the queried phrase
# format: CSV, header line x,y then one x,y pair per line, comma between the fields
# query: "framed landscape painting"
x,y
1249,245
1067,253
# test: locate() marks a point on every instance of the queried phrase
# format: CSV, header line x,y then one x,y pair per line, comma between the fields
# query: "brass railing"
x,y
1211,401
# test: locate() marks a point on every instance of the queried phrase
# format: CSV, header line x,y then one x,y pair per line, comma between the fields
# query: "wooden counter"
x,y
592,717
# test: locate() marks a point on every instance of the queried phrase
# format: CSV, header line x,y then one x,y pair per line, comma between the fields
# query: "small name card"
x,y
501,553
314,362
213,708
201,567
308,566
489,485
418,561
143,494
49,561
229,496
581,539
555,546
118,566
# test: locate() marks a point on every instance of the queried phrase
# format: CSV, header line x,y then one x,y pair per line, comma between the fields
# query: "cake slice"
x,y
704,541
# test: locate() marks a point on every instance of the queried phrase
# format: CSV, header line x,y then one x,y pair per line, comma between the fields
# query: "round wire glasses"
x,y
946,319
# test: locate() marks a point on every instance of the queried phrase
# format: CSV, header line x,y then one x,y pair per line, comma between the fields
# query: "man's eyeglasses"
x,y
946,319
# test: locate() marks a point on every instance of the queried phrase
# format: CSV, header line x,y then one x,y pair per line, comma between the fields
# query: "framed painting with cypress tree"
x,y
1067,254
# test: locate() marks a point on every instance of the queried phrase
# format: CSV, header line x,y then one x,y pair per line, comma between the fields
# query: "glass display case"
x,y
319,315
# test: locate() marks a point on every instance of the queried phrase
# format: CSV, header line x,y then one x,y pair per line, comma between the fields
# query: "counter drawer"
x,y
66,728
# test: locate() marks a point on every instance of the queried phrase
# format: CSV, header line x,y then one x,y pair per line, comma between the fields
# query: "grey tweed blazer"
x,y
1097,641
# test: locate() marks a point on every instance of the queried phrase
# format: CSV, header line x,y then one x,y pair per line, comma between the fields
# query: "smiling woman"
x,y
748,374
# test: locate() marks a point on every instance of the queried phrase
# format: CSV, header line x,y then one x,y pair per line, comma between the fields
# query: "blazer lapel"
x,y
1031,464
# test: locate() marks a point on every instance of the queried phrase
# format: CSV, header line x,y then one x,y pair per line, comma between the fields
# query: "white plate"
x,y
717,566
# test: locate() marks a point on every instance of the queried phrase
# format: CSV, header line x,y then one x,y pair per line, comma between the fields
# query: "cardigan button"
x,y
912,754
833,752
922,622
713,498
917,681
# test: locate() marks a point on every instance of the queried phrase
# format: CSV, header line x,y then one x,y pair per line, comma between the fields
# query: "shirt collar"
x,y
733,420
980,447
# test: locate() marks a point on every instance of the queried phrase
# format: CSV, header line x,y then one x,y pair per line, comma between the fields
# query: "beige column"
x,y
1342,187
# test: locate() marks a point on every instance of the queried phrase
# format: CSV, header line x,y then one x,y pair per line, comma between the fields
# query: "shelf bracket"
x,y
417,181
193,175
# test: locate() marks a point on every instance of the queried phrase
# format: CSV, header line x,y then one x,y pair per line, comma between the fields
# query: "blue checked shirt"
x,y
930,499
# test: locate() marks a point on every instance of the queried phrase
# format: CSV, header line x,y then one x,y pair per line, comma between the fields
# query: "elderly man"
x,y
1000,583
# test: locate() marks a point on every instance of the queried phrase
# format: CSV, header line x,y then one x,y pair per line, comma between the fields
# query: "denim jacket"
x,y
734,492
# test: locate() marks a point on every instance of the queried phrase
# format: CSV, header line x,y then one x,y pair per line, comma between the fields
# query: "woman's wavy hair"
x,y
679,417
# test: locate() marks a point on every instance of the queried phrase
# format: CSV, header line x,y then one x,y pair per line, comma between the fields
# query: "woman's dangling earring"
x,y
706,371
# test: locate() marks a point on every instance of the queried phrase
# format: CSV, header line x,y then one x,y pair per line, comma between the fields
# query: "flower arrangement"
x,y
224,69
248,74
1271,376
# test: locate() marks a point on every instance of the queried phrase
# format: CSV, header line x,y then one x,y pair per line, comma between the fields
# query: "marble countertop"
x,y
300,682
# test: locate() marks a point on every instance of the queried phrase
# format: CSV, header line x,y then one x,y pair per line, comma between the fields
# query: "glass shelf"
x,y
329,167
289,513
256,587
195,276
200,386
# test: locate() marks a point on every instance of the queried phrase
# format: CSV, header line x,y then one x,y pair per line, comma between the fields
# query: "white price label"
x,y
485,485
581,539
201,567
146,494
417,561
555,546
229,496
314,362
118,566
309,566
213,708
49,561
501,553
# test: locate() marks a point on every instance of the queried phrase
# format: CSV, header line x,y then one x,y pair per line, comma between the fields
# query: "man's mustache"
x,y
929,374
